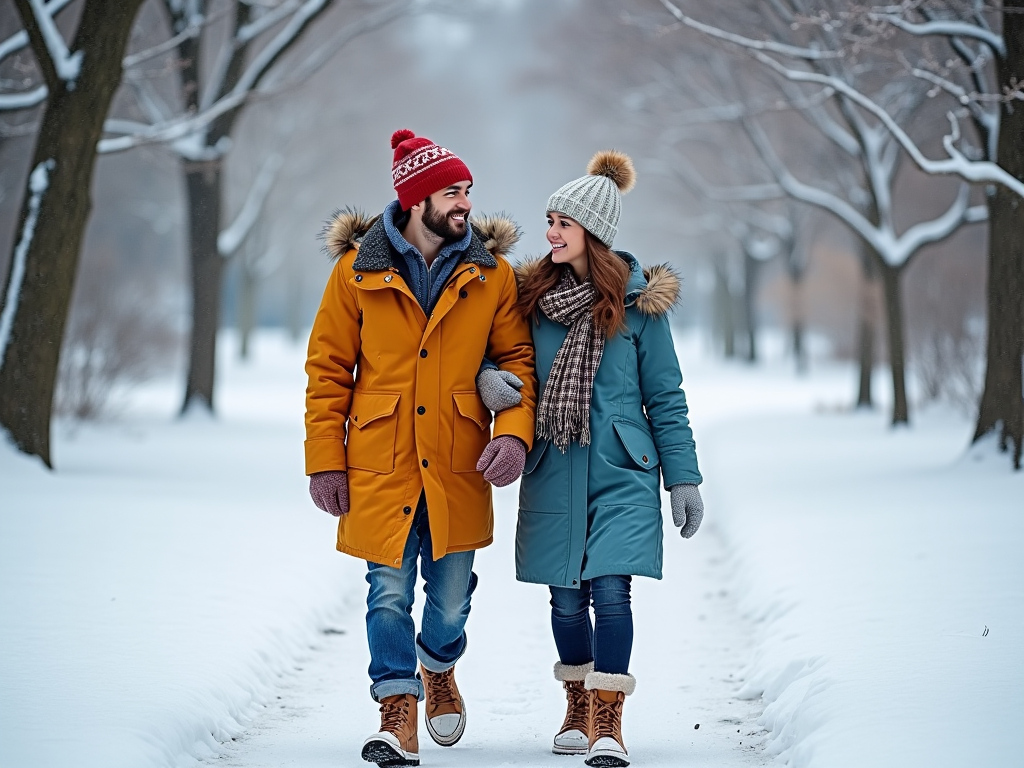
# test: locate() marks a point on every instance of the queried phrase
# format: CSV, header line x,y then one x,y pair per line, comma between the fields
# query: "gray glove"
x,y
687,508
498,389
329,491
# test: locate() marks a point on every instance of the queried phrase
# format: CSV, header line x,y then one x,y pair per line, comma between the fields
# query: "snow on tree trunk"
x,y
203,182
1002,401
71,125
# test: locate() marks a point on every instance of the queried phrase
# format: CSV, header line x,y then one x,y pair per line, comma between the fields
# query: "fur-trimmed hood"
x,y
349,228
655,294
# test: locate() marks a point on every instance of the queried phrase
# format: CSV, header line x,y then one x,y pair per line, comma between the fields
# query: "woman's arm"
x,y
665,402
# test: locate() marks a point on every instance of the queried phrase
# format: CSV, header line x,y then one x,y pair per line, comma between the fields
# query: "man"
x,y
398,442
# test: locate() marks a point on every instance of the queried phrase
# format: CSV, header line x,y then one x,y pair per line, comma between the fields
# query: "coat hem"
x,y
372,557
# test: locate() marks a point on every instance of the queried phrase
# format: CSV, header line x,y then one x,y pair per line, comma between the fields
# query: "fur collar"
x,y
659,296
350,228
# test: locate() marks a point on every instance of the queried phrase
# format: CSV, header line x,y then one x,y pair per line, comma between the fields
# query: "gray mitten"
x,y
498,389
687,508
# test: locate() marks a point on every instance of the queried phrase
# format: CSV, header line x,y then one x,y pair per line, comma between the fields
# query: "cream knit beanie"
x,y
594,200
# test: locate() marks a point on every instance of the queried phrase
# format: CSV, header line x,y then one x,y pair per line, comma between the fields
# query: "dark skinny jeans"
x,y
608,640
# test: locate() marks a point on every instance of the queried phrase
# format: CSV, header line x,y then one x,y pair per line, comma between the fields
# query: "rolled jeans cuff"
x,y
387,688
430,663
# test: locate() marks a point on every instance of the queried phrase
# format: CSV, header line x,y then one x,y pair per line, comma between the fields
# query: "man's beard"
x,y
440,224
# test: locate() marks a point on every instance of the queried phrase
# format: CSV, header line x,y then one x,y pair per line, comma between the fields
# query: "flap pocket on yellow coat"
x,y
373,428
471,433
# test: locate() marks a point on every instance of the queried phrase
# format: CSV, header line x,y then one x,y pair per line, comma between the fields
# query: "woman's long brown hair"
x,y
609,274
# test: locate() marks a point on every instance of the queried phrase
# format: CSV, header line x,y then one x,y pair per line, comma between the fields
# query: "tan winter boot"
x,y
607,694
574,736
444,709
397,742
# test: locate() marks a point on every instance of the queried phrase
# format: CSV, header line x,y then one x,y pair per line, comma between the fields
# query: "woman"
x,y
611,419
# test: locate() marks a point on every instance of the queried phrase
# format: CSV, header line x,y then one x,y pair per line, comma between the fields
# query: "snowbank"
x,y
882,570
156,587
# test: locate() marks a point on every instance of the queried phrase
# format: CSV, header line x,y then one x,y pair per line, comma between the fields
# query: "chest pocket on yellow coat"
x,y
373,427
472,421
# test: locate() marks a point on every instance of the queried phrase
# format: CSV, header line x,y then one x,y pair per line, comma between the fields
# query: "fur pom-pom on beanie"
x,y
595,200
421,168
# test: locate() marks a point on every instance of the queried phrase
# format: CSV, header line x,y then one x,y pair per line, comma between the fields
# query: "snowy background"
x,y
169,596
172,597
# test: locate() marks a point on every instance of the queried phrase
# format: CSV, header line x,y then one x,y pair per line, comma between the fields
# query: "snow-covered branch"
x,y
10,102
229,240
809,54
945,28
66,64
955,165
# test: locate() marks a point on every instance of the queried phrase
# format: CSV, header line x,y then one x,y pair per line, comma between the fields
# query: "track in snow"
x,y
689,648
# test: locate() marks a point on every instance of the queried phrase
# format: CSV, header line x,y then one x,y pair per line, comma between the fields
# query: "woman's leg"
x,y
571,626
613,623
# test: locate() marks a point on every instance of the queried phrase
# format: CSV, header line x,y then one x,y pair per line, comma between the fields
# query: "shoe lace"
x,y
442,688
394,714
606,717
576,712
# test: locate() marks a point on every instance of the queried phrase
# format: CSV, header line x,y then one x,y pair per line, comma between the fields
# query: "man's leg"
x,y
448,586
391,633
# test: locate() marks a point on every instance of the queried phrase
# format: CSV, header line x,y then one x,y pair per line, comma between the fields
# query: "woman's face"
x,y
568,243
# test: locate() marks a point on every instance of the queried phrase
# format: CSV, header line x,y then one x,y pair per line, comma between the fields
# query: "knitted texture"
x,y
563,413
594,200
329,491
503,460
498,389
687,508
420,168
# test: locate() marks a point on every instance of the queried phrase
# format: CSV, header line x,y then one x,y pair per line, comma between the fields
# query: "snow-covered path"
x,y
690,646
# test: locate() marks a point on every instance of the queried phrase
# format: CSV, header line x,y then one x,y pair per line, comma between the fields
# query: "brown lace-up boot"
x,y
607,694
396,743
574,736
444,709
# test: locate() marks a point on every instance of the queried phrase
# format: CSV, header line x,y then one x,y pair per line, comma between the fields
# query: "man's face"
x,y
445,212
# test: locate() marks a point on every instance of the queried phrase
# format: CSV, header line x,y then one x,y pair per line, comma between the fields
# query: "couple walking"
x,y
423,331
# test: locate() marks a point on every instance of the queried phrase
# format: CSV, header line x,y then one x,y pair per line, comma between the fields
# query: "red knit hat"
x,y
421,168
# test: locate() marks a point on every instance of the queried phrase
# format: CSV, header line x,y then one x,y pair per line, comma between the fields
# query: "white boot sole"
x,y
453,739
578,748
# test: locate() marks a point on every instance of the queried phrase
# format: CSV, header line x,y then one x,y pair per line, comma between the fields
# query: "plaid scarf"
x,y
563,413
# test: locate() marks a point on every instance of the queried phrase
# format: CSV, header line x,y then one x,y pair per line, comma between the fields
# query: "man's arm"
x,y
330,365
510,347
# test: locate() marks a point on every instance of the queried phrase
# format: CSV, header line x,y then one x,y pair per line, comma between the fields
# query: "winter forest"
x,y
839,187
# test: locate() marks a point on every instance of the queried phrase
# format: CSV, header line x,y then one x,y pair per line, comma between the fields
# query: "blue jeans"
x,y
607,641
394,645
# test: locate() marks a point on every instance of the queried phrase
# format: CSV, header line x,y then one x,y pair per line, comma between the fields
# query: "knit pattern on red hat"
x,y
421,168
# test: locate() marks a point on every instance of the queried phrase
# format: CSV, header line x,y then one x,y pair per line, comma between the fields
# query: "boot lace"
x,y
394,714
607,715
576,711
442,688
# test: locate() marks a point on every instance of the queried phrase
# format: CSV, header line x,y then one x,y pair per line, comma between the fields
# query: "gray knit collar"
x,y
376,250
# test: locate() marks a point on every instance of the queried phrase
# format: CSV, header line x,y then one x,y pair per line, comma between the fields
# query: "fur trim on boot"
x,y
606,681
568,672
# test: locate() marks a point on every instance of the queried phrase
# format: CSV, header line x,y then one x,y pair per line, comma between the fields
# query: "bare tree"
x,y
865,129
213,97
77,83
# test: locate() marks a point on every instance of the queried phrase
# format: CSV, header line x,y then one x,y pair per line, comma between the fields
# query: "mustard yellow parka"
x,y
403,385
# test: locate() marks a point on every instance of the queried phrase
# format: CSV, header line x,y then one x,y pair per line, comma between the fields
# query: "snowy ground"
x,y
169,595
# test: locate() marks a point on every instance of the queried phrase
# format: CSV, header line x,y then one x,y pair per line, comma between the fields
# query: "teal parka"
x,y
596,510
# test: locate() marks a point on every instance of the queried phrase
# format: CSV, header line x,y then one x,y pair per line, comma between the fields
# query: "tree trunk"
x,y
204,194
891,283
866,330
724,311
294,311
247,284
751,268
1002,401
799,352
52,223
